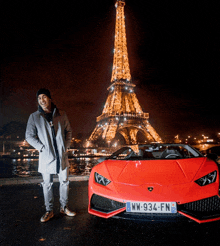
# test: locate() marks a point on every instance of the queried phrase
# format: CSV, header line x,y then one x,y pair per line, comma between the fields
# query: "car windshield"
x,y
155,151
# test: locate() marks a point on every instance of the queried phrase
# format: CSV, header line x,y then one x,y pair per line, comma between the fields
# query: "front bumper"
x,y
201,211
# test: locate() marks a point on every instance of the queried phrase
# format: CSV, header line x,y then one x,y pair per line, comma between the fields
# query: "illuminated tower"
x,y
122,112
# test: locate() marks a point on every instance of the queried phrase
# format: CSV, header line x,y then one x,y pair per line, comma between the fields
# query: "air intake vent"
x,y
202,209
105,205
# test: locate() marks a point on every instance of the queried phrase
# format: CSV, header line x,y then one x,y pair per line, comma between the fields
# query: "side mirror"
x,y
212,156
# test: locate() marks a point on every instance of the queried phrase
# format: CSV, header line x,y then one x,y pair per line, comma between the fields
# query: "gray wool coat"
x,y
39,135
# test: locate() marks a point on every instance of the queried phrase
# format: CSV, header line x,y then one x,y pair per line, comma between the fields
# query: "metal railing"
x,y
122,115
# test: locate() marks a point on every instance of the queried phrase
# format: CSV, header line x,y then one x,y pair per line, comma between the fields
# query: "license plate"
x,y
151,207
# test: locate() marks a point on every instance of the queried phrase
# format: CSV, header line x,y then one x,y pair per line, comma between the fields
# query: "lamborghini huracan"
x,y
156,182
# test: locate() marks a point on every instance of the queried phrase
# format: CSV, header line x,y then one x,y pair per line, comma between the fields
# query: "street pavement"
x,y
22,206
36,179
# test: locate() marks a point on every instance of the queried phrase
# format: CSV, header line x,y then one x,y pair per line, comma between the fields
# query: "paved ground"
x,y
21,207
35,180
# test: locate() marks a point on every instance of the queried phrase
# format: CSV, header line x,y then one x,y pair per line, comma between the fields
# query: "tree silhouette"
x,y
13,129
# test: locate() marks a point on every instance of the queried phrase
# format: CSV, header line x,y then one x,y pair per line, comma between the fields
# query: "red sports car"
x,y
157,181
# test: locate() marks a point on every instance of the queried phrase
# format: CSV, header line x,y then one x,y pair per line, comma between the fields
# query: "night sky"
x,y
67,47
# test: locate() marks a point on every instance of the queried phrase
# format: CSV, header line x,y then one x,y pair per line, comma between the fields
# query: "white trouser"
x,y
48,189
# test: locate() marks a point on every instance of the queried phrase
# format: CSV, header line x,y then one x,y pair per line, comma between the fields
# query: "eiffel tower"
x,y
122,112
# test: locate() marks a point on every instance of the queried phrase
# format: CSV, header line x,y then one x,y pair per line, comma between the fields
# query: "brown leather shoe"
x,y
47,216
67,211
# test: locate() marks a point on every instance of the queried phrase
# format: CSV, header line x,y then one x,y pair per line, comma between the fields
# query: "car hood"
x,y
164,172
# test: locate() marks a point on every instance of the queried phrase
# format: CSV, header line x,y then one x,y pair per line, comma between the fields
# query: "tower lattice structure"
x,y
122,112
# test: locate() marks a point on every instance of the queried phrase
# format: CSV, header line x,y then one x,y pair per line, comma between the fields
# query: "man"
x,y
48,130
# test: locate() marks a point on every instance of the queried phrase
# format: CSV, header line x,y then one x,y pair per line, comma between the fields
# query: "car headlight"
x,y
101,180
207,179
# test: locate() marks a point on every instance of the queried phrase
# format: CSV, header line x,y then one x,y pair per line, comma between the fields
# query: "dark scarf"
x,y
48,116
